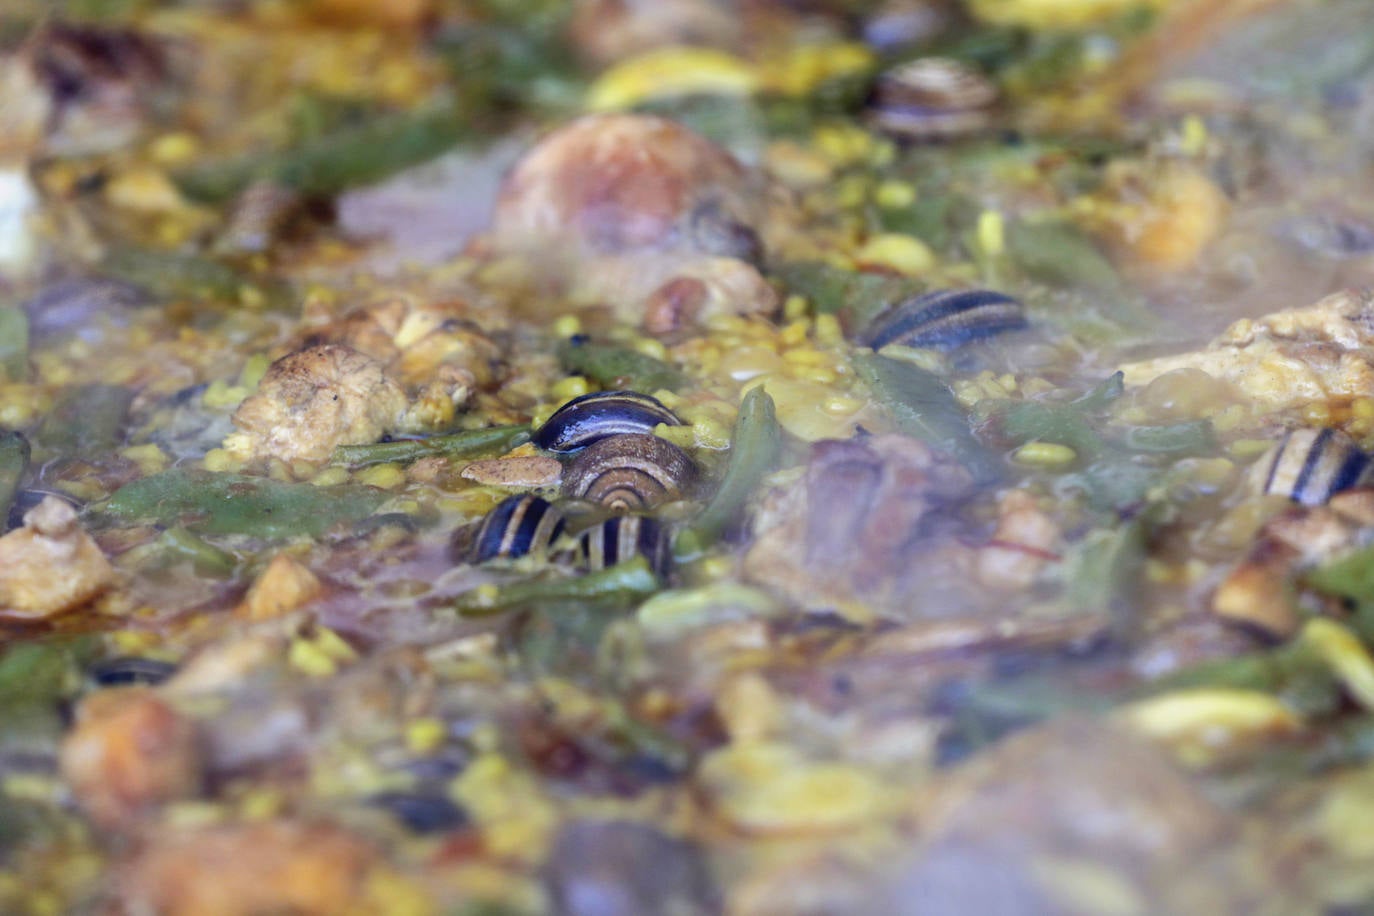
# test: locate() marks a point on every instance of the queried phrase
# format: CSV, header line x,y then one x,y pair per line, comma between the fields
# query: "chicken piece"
x,y
312,401
1257,592
618,206
250,869
1025,540
1321,352
284,586
129,751
605,31
1080,790
50,565
848,533
97,85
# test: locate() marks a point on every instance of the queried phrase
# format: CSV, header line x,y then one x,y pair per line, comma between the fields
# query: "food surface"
x,y
756,457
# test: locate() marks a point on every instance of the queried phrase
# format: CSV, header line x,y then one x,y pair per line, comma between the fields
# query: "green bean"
x,y
87,420
1103,574
1103,394
1060,255
1020,422
455,445
207,558
855,297
14,344
924,408
755,445
623,582
324,166
618,367
212,503
14,461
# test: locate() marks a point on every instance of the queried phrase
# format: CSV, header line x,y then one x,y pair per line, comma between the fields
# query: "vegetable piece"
x,y
14,344
1350,577
208,559
237,504
181,276
755,445
87,420
923,408
1032,421
1103,393
857,298
1103,573
1060,255
455,445
618,367
14,461
622,582
345,158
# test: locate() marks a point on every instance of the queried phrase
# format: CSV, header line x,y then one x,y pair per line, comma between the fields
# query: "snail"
x,y
629,473
519,525
592,417
624,537
1310,466
125,670
945,320
932,98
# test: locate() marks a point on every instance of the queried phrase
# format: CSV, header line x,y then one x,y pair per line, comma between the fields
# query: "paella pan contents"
x,y
607,457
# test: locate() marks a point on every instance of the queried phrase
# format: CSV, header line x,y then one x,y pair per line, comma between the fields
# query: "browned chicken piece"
x,y
312,401
619,206
93,88
856,517
1258,593
1078,793
1322,352
283,586
250,869
51,564
605,31
130,751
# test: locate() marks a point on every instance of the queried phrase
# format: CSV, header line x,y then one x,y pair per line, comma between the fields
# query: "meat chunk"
x,y
619,206
1081,791
317,399
604,31
1321,352
129,751
848,533
250,869
50,565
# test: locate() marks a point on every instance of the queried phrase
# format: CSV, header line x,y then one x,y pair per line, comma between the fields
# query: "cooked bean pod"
x,y
945,320
1310,466
590,418
630,473
517,526
623,538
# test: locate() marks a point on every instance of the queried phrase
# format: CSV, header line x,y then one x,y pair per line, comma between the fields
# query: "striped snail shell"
x,y
932,98
945,320
624,537
519,525
130,669
1310,466
592,417
629,473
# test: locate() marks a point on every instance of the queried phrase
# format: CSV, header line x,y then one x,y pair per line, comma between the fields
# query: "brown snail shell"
x,y
933,98
630,473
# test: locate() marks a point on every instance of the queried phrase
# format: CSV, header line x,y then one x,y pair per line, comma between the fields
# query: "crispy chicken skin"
x,y
312,401
50,565
1320,352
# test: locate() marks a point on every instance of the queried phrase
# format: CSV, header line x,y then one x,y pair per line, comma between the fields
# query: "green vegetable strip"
x,y
455,445
1191,438
14,461
237,504
335,162
207,558
182,276
923,408
14,344
1030,421
624,581
618,367
755,445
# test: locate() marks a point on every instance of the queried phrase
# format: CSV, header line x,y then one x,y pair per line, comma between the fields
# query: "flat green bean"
x,y
454,445
623,582
755,445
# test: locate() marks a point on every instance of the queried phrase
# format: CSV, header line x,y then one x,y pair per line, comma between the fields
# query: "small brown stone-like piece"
x,y
518,471
284,586
245,869
50,565
317,399
130,751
